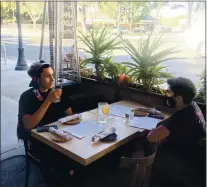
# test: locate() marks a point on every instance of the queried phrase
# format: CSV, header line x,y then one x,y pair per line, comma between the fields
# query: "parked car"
x,y
122,30
162,29
166,29
139,29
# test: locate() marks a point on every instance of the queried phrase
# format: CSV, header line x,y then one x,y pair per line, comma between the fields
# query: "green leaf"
x,y
100,45
146,68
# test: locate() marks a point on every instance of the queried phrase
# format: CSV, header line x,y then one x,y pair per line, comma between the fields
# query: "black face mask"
x,y
170,102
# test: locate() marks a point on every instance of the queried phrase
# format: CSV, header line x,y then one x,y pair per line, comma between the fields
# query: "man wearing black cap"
x,y
180,133
38,107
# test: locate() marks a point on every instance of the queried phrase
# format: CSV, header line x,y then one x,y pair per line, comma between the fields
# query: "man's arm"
x,y
158,134
31,121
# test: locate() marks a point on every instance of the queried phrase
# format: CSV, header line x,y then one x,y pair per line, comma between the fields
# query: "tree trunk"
x,y
13,16
83,26
84,19
34,23
190,8
130,25
157,15
117,24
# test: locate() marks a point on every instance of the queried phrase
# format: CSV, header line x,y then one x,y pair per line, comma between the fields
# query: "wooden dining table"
x,y
85,151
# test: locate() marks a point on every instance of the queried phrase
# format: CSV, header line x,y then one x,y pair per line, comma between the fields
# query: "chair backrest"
x,y
142,162
140,167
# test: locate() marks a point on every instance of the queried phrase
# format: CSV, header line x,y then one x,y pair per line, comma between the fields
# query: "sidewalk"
x,y
27,30
13,83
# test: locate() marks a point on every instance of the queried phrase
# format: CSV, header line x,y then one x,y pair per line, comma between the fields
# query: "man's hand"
x,y
54,95
158,134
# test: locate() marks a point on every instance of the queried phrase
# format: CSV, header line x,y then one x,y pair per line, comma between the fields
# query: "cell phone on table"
x,y
46,128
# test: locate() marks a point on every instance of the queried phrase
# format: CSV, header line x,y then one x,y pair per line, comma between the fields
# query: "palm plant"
x,y
201,96
147,69
100,45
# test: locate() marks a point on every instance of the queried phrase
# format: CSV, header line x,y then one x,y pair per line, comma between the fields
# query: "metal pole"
x,y
74,11
13,15
61,32
43,30
58,40
119,17
21,63
51,22
56,47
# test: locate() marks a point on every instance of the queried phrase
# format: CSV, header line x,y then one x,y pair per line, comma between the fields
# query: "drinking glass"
x,y
103,112
129,115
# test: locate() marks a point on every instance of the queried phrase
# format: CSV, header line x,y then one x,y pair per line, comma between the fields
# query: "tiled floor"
x,y
13,173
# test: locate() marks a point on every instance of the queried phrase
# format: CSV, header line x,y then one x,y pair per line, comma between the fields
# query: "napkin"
x,y
103,134
70,118
63,134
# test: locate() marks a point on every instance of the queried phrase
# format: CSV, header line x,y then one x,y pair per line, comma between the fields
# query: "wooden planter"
x,y
91,91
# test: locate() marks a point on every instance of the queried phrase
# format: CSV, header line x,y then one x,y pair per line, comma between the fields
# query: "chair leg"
x,y
134,176
147,177
27,172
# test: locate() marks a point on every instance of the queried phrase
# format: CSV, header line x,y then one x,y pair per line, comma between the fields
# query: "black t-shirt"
x,y
186,127
29,104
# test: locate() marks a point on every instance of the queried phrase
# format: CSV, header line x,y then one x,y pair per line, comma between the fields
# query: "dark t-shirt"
x,y
186,127
29,104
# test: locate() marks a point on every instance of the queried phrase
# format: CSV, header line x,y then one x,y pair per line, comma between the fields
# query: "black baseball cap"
x,y
34,71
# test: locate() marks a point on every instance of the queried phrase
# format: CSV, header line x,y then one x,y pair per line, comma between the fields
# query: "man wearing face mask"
x,y
180,133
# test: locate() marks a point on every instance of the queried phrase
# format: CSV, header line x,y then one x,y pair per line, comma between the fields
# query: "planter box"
x,y
85,96
91,91
92,86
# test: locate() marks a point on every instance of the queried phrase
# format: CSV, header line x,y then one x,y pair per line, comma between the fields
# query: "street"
x,y
188,67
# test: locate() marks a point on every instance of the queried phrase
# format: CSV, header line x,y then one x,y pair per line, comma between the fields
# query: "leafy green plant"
x,y
201,96
114,70
82,64
100,45
147,69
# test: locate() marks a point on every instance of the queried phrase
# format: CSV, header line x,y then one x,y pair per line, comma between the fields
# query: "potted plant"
x,y
201,96
147,69
99,44
117,73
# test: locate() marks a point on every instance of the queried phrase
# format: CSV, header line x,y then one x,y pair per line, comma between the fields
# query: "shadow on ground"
x,y
13,173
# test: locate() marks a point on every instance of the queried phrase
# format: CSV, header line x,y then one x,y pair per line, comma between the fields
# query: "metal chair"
x,y
29,158
139,169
